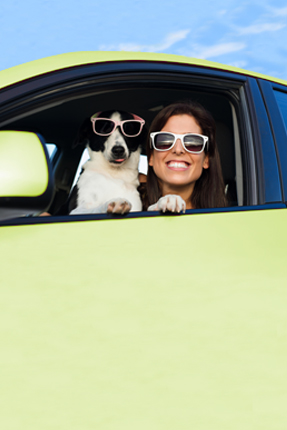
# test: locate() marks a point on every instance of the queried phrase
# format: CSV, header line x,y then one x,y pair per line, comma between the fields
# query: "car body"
x,y
145,320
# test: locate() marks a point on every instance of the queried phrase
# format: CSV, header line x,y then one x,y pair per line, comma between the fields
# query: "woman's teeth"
x,y
177,164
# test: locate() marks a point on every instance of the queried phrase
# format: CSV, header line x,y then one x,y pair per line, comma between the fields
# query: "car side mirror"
x,y
26,179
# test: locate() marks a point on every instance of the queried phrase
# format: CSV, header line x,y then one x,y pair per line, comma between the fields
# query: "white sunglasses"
x,y
192,142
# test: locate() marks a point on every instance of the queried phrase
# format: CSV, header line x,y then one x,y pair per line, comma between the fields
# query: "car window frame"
x,y
36,220
277,126
43,88
268,173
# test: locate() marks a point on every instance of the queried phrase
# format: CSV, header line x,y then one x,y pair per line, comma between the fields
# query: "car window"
x,y
59,119
85,157
52,149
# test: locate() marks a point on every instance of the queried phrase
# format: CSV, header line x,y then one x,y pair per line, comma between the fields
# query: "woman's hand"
x,y
169,203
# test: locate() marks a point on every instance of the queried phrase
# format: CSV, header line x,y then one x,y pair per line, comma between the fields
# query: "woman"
x,y
184,167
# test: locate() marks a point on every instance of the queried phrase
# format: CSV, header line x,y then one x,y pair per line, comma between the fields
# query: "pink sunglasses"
x,y
106,126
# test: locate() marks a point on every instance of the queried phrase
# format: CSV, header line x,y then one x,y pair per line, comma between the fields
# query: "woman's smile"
x,y
178,165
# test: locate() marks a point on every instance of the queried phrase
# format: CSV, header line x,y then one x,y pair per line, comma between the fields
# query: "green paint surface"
x,y
148,323
72,59
23,165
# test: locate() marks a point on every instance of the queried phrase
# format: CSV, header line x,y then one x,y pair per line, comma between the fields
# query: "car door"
x,y
149,320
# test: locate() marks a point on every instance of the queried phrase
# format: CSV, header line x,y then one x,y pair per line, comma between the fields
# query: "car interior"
x,y
58,120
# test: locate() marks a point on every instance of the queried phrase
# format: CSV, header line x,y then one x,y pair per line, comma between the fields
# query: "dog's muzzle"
x,y
119,154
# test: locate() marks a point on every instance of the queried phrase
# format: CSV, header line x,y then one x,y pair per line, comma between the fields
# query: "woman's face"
x,y
177,169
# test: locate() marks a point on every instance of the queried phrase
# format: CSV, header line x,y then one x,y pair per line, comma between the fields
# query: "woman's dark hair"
x,y
209,188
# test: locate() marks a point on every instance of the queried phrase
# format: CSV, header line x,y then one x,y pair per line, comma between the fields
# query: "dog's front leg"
x,y
169,203
115,206
118,206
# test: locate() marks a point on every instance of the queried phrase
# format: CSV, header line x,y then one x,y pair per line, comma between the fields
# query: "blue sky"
x,y
249,34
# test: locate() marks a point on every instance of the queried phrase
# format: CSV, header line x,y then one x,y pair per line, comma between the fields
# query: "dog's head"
x,y
116,134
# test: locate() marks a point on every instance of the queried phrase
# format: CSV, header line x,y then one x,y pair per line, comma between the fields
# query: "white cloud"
x,y
206,52
167,42
203,52
261,28
241,64
280,12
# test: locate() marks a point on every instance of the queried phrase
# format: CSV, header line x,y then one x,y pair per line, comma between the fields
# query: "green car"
x,y
144,321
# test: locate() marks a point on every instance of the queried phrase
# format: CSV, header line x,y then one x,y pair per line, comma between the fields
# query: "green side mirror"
x,y
26,179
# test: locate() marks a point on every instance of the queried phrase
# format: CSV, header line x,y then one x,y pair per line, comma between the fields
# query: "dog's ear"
x,y
84,133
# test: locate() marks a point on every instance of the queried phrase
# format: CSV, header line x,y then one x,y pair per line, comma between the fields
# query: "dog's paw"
x,y
118,206
169,203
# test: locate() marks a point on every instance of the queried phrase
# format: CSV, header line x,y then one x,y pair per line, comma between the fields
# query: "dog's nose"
x,y
118,150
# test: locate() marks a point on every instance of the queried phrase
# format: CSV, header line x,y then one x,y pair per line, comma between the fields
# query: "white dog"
x,y
109,180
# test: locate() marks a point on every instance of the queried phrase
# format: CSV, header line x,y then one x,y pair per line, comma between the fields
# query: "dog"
x,y
109,179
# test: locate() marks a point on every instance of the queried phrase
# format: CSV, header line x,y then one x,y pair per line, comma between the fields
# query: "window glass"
x,y
52,149
84,158
282,103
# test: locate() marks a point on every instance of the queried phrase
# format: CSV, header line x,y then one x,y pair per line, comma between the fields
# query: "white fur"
x,y
103,182
169,203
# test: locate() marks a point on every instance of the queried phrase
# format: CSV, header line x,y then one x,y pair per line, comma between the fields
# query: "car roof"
x,y
63,61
